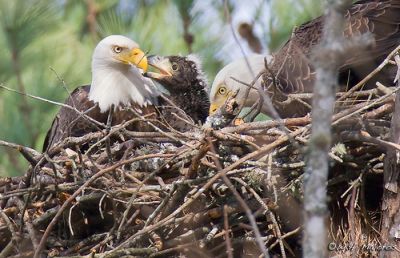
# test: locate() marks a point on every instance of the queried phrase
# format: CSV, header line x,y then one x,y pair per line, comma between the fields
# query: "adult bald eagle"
x,y
292,72
226,82
117,81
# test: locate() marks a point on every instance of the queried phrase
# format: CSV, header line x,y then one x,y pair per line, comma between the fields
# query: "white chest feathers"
x,y
120,86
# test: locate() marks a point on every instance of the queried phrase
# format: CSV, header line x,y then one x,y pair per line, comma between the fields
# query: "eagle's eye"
x,y
174,66
117,49
222,90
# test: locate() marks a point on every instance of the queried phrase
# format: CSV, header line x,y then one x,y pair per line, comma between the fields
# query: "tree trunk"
x,y
390,224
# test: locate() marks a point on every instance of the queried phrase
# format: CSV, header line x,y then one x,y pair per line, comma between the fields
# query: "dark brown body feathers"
x,y
292,66
69,123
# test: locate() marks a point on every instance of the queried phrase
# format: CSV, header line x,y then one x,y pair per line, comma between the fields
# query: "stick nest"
x,y
203,193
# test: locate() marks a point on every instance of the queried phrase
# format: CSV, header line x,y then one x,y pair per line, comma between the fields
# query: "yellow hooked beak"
x,y
215,105
219,99
213,108
136,57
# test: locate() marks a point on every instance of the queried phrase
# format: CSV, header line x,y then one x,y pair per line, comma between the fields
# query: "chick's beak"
x,y
138,58
162,64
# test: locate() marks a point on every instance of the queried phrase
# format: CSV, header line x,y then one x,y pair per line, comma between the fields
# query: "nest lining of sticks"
x,y
203,193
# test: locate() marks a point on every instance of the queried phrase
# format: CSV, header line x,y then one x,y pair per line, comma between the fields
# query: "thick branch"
x,y
391,197
328,58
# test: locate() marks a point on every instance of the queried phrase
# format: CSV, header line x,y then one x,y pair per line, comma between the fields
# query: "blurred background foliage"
x,y
46,47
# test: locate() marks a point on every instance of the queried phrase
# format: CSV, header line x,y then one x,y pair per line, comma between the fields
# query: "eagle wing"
x,y
292,67
69,122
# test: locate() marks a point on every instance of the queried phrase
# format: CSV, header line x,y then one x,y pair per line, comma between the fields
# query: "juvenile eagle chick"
x,y
182,76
